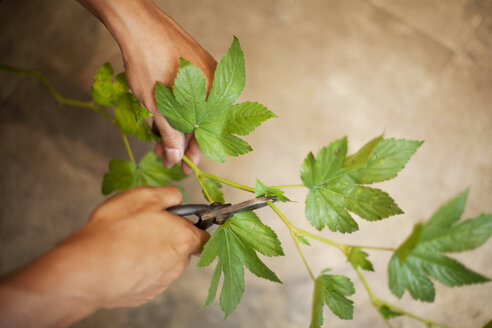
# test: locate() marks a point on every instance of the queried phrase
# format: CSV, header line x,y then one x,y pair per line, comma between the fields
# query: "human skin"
x,y
151,44
129,251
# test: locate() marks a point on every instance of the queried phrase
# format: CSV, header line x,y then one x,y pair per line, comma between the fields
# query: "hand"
x,y
151,44
129,251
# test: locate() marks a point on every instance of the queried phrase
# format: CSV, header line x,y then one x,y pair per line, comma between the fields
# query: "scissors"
x,y
218,213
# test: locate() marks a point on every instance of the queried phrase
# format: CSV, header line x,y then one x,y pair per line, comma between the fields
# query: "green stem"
x,y
214,177
128,148
376,302
56,94
205,192
288,186
294,238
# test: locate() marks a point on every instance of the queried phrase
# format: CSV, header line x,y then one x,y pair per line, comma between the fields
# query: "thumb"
x,y
173,141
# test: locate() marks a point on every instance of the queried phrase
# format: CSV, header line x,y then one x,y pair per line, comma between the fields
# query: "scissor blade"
x,y
229,211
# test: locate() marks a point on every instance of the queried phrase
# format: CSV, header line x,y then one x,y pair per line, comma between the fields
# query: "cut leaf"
x,y
303,240
262,189
150,171
331,290
333,180
388,313
214,121
358,258
235,243
420,256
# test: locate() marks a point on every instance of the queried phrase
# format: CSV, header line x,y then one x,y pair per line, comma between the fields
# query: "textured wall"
x,y
411,69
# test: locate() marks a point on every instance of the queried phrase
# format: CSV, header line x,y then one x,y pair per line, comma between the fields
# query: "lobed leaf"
x,y
420,256
334,181
331,290
150,171
213,120
235,243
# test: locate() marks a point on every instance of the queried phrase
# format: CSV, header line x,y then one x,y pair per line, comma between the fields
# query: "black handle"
x,y
192,209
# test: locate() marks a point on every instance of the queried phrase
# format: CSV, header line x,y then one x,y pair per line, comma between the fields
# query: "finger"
x,y
194,153
201,237
173,141
159,151
137,200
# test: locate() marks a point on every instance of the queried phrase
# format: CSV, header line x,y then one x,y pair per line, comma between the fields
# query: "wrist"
x,y
126,19
45,293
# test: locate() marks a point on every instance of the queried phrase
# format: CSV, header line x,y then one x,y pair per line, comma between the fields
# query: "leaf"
x,y
303,240
150,171
121,176
333,190
245,117
139,111
420,256
213,189
387,158
388,313
263,190
331,290
128,109
214,121
235,243
488,324
125,117
102,89
358,258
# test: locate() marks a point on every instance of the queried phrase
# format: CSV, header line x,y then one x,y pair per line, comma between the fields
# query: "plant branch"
x,y
201,173
288,186
294,231
376,302
56,94
127,146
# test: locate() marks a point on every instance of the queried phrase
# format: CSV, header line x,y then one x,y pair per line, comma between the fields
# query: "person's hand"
x,y
135,249
130,250
151,44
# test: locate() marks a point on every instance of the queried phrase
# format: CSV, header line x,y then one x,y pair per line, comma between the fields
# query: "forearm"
x,y
46,293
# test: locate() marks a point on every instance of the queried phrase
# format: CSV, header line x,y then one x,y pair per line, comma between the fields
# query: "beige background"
x,y
411,69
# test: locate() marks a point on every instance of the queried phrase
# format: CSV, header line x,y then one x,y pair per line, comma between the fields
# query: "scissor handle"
x,y
188,209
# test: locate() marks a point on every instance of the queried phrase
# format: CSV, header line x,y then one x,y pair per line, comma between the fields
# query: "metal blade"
x,y
229,211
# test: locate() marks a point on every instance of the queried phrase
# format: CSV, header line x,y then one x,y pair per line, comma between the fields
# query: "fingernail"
x,y
173,155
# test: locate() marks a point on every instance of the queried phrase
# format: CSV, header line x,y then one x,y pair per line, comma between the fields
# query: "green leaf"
x,y
303,240
229,78
213,189
488,324
388,157
358,258
125,117
388,313
262,189
139,111
331,290
420,256
235,243
214,121
102,89
150,171
333,190
245,117
121,176
128,109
